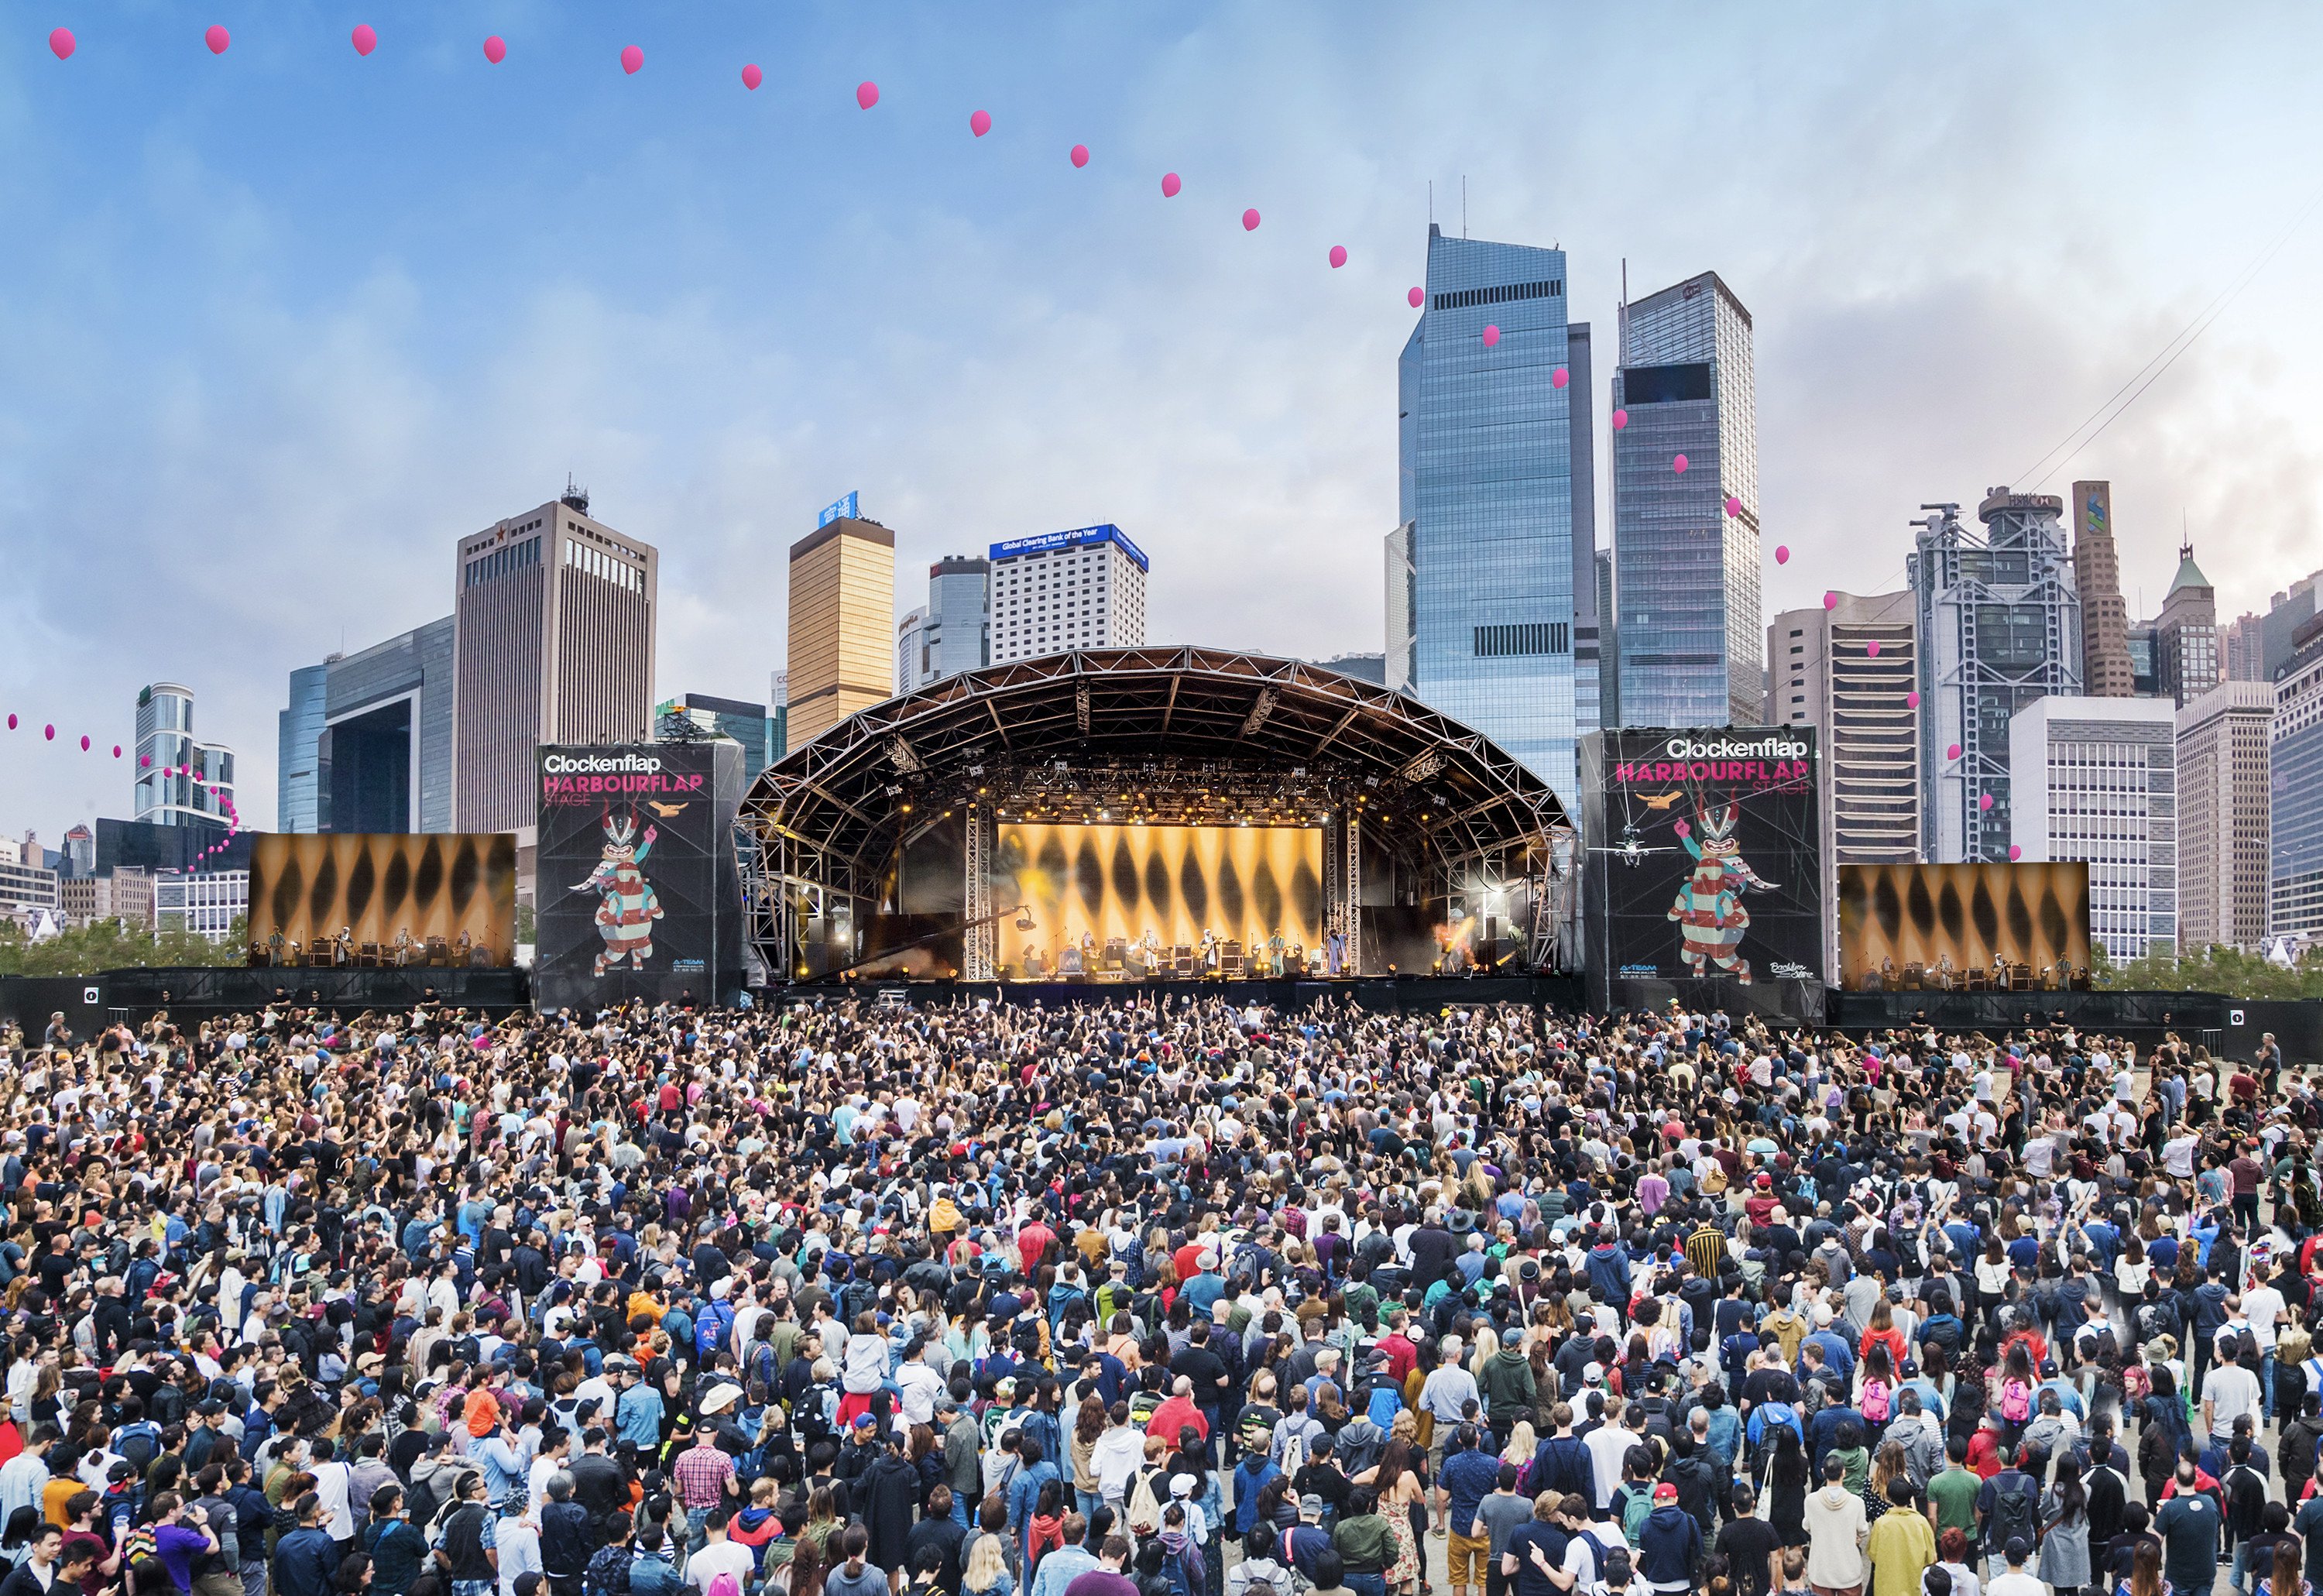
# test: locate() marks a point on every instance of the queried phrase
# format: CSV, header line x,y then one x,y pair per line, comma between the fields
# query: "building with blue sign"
x,y
1061,591
1491,571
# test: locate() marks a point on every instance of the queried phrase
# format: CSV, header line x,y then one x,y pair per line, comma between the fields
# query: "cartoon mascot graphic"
x,y
1708,913
626,905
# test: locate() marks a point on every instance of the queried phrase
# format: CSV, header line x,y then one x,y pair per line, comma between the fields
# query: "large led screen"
x,y
1155,888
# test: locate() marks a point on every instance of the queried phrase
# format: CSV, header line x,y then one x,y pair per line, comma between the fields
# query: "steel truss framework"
x,y
1166,736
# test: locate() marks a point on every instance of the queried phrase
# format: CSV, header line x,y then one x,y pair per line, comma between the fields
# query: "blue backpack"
x,y
1766,1416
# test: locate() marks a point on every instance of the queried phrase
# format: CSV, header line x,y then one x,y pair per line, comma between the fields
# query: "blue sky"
x,y
277,326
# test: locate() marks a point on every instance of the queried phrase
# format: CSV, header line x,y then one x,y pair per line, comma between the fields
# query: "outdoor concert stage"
x,y
1129,817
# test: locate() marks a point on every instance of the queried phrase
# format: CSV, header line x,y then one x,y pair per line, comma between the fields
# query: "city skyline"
x,y
991,350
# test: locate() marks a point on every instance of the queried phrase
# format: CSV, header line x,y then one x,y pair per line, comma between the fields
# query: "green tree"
x,y
113,945
2228,971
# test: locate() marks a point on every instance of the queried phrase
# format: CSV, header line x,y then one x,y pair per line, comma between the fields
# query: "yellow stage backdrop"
x,y
375,884
1241,883
2024,913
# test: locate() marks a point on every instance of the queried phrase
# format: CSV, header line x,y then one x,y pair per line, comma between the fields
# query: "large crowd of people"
x,y
1170,1297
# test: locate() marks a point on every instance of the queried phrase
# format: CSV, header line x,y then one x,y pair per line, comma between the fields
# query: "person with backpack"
x,y
2008,1509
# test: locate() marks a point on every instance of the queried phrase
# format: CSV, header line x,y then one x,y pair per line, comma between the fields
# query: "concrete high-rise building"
x,y
842,624
2295,792
1999,626
1685,573
1400,637
1823,672
80,853
1495,507
778,715
2222,804
2242,648
913,667
382,760
297,729
182,781
2095,779
2096,570
2186,633
554,643
205,903
1061,591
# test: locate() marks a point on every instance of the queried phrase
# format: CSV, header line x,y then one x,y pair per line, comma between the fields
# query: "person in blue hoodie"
x,y
1608,1273
1669,1542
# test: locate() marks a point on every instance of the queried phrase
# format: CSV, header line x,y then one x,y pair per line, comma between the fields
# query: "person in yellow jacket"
x,y
1902,1545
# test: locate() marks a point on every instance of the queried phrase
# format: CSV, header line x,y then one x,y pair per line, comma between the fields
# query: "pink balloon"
x,y
1491,336
1733,505
116,750
1952,752
1872,649
980,122
217,38
63,43
1782,554
632,58
752,77
1682,829
1831,600
1620,419
495,49
50,732
1559,377
197,781
1417,297
1081,155
1250,221
1678,465
1911,699
12,722
1338,256
366,39
866,94
2015,853
1170,185
1985,801
84,745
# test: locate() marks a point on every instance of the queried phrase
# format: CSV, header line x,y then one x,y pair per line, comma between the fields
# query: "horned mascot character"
x,y
1708,911
626,905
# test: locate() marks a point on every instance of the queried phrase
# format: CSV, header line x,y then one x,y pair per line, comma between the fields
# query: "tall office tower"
x,y
2295,791
296,727
2287,613
1400,637
1685,574
960,616
1492,444
2096,780
2242,649
778,715
842,642
1588,619
1999,625
182,781
1061,591
80,853
912,665
2222,816
554,643
692,714
1823,672
383,761
2186,633
1608,652
2097,572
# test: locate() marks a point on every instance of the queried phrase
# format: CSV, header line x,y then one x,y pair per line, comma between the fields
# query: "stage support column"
x,y
1344,864
976,953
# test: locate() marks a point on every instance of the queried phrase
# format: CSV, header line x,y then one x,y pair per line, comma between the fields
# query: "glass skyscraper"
x,y
1685,574
1497,535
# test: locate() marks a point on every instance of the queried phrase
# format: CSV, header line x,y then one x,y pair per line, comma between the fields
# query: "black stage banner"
x,y
636,889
